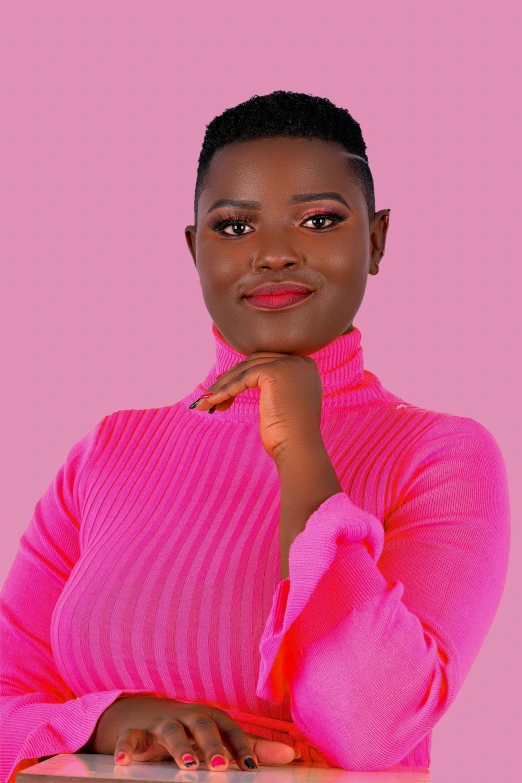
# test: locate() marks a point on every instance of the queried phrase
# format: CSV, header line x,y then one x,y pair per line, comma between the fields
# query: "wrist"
x,y
311,448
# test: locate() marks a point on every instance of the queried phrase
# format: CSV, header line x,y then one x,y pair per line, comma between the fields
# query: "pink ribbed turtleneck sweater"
x,y
152,565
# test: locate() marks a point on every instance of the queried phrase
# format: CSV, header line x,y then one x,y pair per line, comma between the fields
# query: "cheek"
x,y
352,249
345,283
219,295
347,269
219,272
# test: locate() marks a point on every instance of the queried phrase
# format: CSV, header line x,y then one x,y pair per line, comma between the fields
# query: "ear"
x,y
190,238
378,231
379,228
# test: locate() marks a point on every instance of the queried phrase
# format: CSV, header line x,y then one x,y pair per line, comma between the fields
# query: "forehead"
x,y
274,168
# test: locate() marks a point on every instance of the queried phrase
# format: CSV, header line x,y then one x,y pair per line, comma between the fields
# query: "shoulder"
x,y
415,427
128,426
434,428
454,455
137,417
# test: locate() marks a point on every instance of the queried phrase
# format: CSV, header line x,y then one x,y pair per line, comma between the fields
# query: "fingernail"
x,y
249,761
120,756
213,408
187,760
203,397
218,761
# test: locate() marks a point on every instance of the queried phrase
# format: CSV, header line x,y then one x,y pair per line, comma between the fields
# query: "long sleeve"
x,y
377,625
39,715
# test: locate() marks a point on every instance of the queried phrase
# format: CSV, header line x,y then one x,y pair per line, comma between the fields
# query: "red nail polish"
x,y
218,761
120,756
203,396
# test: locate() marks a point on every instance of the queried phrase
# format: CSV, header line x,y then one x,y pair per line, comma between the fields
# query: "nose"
x,y
276,256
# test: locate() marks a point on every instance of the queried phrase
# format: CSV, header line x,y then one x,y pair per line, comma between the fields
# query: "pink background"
x,y
104,107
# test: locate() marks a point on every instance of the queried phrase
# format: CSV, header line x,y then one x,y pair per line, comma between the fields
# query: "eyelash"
x,y
221,221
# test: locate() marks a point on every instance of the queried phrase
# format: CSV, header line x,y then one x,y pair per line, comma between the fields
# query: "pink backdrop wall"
x,y
104,106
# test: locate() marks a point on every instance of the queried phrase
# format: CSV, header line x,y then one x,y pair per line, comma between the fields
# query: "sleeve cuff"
x,y
339,548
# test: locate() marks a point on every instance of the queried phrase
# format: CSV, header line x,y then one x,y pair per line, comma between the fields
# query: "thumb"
x,y
269,752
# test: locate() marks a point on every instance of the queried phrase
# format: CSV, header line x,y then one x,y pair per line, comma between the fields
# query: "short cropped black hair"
x,y
283,113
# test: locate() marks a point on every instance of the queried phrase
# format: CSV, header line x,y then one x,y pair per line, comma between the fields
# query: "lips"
x,y
278,301
278,289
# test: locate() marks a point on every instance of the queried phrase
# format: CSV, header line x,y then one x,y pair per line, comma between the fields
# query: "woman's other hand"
x,y
148,728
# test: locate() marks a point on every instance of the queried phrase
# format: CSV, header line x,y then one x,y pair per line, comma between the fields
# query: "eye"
x,y
234,224
231,220
333,217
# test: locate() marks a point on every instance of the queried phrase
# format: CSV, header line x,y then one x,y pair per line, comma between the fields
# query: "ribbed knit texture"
x,y
152,565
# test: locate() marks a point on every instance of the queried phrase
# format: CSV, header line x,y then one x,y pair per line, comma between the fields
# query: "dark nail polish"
x,y
213,408
193,405
251,764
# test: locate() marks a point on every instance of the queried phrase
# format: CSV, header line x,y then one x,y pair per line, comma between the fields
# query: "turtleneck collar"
x,y
346,384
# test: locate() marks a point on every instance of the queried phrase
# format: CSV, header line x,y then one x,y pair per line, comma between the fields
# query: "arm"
x,y
39,715
308,478
381,624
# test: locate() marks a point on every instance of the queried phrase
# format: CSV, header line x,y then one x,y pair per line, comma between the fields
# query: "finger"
x,y
237,740
251,359
206,733
129,742
270,752
172,735
229,380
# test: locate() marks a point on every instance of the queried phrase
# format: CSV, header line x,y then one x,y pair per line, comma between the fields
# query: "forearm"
x,y
308,478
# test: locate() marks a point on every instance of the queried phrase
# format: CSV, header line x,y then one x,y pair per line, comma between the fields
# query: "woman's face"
x,y
276,240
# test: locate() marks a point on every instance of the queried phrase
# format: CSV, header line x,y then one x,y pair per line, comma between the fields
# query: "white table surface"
x,y
102,767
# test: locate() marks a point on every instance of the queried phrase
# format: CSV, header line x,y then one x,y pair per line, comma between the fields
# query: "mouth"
x,y
277,301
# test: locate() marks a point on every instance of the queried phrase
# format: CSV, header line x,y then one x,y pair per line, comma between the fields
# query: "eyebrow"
x,y
297,198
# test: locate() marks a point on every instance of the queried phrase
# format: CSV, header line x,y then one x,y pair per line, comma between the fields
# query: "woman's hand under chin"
x,y
291,397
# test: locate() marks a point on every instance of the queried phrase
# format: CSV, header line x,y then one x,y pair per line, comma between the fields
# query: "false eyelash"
x,y
221,221
338,217
224,219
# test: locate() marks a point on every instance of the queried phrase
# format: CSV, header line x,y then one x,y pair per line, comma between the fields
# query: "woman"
x,y
312,568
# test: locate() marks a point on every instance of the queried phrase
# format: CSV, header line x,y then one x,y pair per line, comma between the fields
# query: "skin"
x,y
283,243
